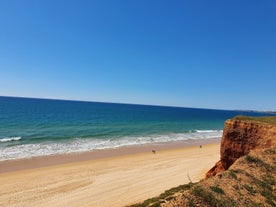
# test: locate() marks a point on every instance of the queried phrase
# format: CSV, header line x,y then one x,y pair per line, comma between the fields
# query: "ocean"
x,y
36,127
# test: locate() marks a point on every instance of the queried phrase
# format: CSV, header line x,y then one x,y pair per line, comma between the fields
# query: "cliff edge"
x,y
240,136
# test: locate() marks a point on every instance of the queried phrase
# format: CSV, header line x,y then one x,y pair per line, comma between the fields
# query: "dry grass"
x,y
262,119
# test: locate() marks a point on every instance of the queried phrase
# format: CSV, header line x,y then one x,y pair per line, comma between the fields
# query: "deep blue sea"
x,y
35,127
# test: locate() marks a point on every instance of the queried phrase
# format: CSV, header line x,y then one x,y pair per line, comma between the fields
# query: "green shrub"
x,y
174,190
209,198
205,195
232,173
257,161
250,189
217,189
270,197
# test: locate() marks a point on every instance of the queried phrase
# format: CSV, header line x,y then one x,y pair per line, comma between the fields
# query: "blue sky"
x,y
210,54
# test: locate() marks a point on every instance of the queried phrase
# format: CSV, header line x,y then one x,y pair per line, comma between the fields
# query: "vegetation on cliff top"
x,y
262,119
250,181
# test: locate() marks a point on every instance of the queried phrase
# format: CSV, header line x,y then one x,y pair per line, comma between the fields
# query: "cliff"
x,y
245,174
240,136
250,182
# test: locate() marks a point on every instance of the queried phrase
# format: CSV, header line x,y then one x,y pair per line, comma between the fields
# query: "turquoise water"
x,y
35,127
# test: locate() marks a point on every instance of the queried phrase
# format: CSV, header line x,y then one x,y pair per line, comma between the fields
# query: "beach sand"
x,y
103,178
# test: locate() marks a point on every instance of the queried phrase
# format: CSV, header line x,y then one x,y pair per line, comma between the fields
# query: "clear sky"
x,y
193,53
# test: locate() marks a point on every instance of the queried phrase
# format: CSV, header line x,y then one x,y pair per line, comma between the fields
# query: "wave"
x,y
10,139
78,145
206,131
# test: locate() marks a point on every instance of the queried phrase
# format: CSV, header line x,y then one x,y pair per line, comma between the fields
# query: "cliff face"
x,y
239,138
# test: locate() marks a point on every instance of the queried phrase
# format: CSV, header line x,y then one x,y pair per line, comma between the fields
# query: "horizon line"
x,y
138,104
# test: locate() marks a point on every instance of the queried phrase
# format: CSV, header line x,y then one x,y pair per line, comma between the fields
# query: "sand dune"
x,y
113,181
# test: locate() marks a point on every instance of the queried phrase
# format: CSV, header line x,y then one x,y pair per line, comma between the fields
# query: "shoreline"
x,y
13,148
117,179
59,159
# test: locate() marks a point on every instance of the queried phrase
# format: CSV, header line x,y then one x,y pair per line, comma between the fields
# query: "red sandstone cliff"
x,y
239,138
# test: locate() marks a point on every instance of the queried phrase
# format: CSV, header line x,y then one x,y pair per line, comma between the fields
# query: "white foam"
x,y
10,139
206,131
82,145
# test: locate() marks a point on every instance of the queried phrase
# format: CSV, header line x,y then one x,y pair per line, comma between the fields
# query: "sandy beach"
x,y
102,179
